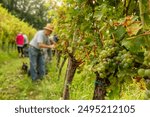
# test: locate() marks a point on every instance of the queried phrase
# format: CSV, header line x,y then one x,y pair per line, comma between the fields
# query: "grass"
x,y
15,85
83,86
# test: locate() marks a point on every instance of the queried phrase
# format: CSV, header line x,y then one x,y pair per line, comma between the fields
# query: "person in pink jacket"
x,y
20,43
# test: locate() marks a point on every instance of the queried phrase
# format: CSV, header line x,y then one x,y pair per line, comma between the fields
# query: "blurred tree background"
x,y
35,12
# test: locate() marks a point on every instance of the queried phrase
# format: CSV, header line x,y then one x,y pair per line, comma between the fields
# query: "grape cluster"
x,y
112,57
144,72
125,59
106,64
147,58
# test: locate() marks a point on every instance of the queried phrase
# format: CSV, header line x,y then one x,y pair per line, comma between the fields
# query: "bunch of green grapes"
x,y
107,63
109,49
113,57
147,58
125,59
144,72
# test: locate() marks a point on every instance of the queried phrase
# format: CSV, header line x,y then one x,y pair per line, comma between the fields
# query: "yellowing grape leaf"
x,y
133,28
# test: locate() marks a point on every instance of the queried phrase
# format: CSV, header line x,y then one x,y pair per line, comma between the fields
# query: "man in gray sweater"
x,y
36,54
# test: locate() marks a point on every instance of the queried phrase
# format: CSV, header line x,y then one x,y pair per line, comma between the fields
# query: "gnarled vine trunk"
x,y
71,69
100,87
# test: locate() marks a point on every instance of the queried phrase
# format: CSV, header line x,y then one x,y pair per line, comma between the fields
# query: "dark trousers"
x,y
20,50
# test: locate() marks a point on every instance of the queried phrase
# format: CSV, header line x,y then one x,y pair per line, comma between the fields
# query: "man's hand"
x,y
52,46
41,45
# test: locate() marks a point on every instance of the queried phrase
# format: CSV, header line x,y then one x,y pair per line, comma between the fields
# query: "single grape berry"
x,y
141,72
